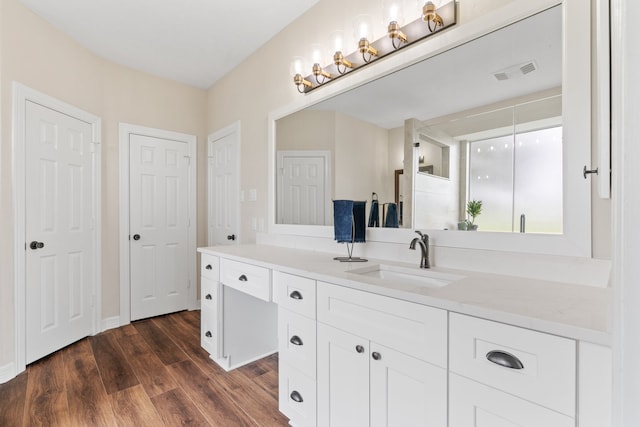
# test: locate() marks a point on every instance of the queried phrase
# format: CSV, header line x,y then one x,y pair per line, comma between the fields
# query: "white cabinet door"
x,y
472,404
406,391
343,378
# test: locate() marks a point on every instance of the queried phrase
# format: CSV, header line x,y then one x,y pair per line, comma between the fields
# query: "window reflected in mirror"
x,y
509,158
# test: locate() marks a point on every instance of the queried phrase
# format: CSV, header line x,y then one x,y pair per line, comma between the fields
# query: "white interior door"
x,y
223,189
303,188
158,225
59,221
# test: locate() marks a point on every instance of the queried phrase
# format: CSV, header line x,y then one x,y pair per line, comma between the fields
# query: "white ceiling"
x,y
194,42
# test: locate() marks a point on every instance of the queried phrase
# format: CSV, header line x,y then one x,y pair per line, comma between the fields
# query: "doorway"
x,y
157,222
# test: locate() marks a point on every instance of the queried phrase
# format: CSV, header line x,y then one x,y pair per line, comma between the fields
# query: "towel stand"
x,y
350,246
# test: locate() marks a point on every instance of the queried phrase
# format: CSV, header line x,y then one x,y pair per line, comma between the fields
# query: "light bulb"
x,y
316,53
363,27
393,11
336,42
297,65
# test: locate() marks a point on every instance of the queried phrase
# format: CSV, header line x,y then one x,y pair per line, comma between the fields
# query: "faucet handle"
x,y
419,233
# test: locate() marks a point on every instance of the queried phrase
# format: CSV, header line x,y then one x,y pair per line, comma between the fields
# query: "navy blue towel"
x,y
359,225
374,215
343,220
392,216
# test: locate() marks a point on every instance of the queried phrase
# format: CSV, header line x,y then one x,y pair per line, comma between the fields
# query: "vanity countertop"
x,y
573,311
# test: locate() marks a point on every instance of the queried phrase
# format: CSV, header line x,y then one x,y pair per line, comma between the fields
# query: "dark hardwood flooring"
x,y
150,373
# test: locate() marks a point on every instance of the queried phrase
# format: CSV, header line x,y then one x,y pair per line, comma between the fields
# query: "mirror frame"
x,y
576,113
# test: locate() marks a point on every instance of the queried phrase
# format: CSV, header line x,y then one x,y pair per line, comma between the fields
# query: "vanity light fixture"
x,y
297,65
363,29
398,35
430,16
319,73
394,16
337,42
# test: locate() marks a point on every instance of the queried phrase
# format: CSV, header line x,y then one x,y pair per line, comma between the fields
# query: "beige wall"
x,y
359,151
362,161
41,57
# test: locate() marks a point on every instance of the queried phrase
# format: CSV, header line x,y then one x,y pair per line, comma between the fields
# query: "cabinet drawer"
x,y
295,293
547,371
209,296
472,404
410,328
297,341
209,332
297,396
209,266
246,278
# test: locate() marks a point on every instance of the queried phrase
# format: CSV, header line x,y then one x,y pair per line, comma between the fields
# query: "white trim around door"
x,y
125,130
21,95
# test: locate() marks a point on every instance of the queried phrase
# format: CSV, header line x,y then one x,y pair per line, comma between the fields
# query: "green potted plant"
x,y
474,208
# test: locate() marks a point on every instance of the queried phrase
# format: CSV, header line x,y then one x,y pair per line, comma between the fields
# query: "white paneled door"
x,y
158,225
303,190
223,189
59,222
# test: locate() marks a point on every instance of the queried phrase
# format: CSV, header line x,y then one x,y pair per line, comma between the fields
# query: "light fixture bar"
x,y
413,32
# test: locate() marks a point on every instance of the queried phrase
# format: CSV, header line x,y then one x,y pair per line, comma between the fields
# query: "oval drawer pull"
x,y
295,340
296,397
376,355
209,267
242,278
208,334
208,296
295,295
505,359
359,348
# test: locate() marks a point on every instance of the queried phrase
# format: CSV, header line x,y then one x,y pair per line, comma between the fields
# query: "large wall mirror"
x,y
492,119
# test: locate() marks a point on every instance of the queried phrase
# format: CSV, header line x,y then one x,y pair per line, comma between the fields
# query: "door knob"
x,y
231,237
36,245
136,237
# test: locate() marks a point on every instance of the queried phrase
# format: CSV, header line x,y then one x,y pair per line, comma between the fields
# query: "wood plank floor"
x,y
150,373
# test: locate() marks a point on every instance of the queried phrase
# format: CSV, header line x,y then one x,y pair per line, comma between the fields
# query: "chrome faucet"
x,y
423,240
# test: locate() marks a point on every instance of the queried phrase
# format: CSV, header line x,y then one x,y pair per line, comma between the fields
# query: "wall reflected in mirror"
x,y
431,118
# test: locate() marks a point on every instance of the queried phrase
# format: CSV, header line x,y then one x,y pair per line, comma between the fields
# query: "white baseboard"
x,y
7,372
110,323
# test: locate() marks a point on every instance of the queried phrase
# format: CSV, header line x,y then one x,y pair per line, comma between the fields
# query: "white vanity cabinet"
x,y
296,299
238,319
349,356
502,375
381,361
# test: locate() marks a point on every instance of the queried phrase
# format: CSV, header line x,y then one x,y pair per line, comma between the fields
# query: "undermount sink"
x,y
421,277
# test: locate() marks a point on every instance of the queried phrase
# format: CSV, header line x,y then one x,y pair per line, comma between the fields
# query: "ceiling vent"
x,y
515,71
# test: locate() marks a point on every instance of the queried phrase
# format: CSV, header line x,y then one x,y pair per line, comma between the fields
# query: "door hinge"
x,y
188,159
